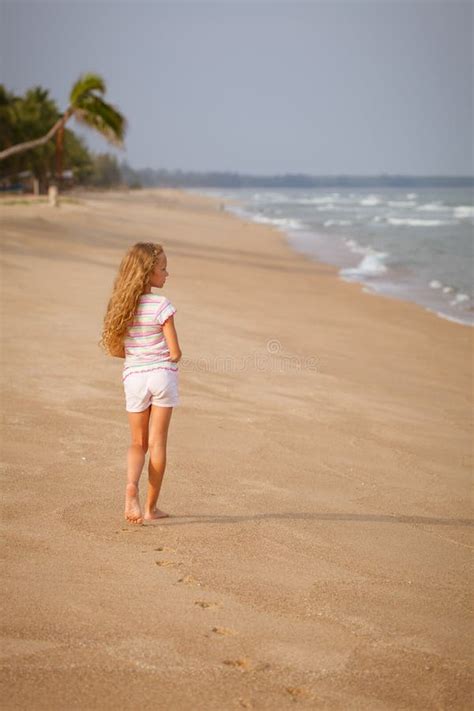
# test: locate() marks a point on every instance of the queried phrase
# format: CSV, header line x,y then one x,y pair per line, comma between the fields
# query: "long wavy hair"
x,y
130,283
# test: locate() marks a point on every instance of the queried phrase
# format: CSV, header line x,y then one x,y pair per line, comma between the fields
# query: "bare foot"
x,y
154,514
133,512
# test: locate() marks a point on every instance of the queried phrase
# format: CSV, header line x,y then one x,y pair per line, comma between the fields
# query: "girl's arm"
x,y
171,338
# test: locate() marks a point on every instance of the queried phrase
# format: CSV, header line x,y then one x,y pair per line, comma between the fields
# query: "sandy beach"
x,y
317,554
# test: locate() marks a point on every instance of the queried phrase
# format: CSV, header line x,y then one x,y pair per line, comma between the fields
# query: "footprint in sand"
x,y
189,580
298,692
226,631
204,603
243,663
165,563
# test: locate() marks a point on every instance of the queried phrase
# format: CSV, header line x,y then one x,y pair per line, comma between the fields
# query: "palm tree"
x,y
88,107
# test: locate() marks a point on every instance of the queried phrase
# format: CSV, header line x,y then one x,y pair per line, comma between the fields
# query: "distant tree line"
x,y
178,178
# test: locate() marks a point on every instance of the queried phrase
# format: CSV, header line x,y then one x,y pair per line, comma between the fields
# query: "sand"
x,y
318,549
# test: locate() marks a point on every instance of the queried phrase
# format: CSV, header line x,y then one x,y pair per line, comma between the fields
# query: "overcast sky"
x,y
255,86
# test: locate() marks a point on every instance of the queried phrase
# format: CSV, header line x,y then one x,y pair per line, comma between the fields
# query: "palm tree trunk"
x,y
21,147
59,155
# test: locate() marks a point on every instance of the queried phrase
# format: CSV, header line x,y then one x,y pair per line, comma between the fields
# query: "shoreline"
x,y
318,477
300,240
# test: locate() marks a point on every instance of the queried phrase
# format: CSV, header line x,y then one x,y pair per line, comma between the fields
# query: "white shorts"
x,y
155,387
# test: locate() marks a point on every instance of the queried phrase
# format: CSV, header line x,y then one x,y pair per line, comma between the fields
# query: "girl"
x,y
139,326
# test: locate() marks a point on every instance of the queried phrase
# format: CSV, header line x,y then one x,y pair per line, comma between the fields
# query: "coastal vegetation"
x,y
29,123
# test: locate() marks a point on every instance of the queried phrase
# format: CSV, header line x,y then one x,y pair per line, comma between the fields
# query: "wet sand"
x,y
318,479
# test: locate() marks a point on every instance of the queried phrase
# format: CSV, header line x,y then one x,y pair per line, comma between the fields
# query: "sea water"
x,y
415,245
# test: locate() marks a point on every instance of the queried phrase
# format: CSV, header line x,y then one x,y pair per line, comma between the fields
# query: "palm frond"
x,y
86,83
103,117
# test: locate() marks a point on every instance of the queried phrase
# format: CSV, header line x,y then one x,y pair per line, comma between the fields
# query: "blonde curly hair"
x,y
132,280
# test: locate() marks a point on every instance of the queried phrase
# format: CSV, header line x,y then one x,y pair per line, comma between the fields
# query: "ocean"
x,y
415,245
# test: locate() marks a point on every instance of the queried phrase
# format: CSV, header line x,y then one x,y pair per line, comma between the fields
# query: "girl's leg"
x,y
158,435
136,452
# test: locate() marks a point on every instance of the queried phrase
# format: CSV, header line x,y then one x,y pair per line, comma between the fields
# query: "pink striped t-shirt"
x,y
145,344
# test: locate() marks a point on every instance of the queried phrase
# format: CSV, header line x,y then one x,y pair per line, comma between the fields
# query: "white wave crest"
x,y
280,222
464,212
371,265
417,222
459,299
330,223
357,248
370,201
432,207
